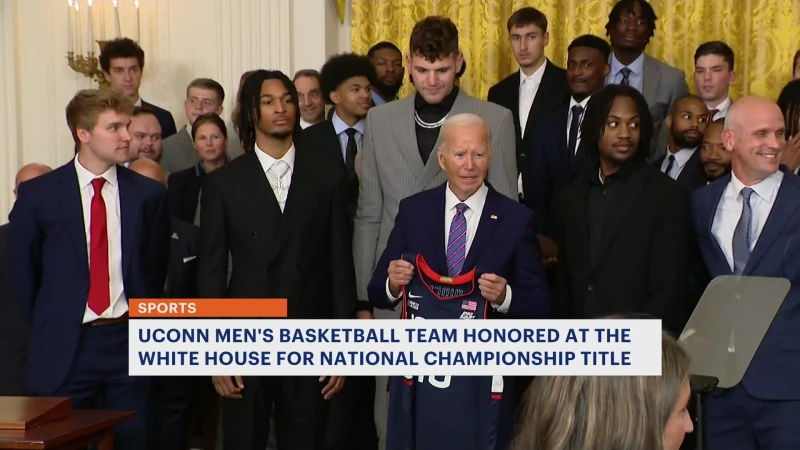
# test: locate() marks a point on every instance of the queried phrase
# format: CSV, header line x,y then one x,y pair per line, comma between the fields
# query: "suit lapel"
x,y
490,218
70,198
405,133
297,200
618,212
436,232
716,189
650,79
539,99
130,204
266,211
691,170
512,92
785,206
333,143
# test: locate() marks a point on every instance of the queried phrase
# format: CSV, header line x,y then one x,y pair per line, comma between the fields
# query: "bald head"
x,y
148,168
29,172
749,106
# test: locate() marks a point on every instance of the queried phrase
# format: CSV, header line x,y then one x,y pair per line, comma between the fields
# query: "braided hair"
x,y
250,103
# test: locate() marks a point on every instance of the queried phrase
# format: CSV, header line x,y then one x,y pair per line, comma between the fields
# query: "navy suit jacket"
x,y
552,168
182,273
49,265
505,244
772,374
164,119
693,175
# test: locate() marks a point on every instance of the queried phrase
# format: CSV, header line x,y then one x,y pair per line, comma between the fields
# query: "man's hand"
x,y
364,315
493,288
400,273
226,388
549,250
791,153
334,386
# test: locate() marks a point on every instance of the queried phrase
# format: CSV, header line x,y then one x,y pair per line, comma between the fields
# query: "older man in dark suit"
x,y
13,329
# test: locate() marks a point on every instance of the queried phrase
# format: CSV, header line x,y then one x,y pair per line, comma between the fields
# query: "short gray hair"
x,y
465,120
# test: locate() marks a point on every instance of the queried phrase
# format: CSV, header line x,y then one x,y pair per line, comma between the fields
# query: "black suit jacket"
x,y
164,119
182,271
183,188
552,167
303,254
553,93
321,139
693,175
13,333
644,252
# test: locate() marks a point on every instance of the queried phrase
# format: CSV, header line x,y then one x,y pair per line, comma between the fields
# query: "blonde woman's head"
x,y
620,413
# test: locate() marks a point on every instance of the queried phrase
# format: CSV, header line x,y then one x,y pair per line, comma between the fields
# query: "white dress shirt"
x,y
681,158
110,192
472,215
573,103
729,210
722,109
286,181
304,124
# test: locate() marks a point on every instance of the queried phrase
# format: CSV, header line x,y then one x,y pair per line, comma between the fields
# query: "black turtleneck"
x,y
427,137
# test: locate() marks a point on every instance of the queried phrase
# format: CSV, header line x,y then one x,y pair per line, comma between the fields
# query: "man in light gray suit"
x,y
631,24
203,96
398,160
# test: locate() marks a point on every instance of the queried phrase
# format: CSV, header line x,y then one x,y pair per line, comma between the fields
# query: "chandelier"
x,y
81,55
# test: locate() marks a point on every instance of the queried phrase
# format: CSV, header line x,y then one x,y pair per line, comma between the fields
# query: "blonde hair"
x,y
620,413
87,105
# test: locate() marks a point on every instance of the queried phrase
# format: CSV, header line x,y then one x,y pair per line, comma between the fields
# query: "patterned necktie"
x,y
743,235
275,174
626,73
99,290
457,242
574,129
711,114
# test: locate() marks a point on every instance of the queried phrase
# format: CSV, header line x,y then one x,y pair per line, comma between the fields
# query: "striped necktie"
x,y
457,242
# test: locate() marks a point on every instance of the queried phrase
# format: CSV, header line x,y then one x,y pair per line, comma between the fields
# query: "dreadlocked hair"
x,y
789,102
250,103
596,115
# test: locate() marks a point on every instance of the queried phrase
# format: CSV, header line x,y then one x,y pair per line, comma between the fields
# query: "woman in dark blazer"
x,y
210,137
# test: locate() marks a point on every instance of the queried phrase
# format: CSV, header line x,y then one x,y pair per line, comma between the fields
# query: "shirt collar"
x,y
340,127
377,99
573,102
723,106
474,202
636,67
85,177
138,102
682,156
189,130
766,188
267,161
535,77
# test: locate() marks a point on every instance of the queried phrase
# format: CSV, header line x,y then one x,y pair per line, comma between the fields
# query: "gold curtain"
x,y
764,34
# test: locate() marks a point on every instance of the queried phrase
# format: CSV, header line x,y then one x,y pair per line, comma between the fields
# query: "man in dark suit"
x,y
465,224
345,81
83,240
746,224
685,125
624,229
174,394
555,151
538,89
282,213
122,63
631,24
13,329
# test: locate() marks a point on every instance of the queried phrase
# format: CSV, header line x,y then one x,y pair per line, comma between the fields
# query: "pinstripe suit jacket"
x,y
392,169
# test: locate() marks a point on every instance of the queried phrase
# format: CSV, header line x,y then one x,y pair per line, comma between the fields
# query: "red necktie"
x,y
711,114
99,293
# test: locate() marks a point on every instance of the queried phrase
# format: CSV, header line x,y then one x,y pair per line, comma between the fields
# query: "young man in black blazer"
x,y
281,212
624,227
537,90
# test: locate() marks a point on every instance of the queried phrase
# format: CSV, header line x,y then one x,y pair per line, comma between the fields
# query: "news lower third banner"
x,y
252,337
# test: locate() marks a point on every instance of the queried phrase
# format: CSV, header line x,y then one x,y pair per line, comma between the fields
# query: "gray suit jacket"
x,y
392,169
179,153
662,86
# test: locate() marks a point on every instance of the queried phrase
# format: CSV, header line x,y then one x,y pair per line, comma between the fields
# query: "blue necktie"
x,y
457,242
574,129
743,235
669,165
626,74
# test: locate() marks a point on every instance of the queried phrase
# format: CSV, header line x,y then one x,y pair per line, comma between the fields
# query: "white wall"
x,y
182,40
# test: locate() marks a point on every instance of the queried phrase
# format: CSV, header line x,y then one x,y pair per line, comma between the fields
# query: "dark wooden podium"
x,y
51,423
